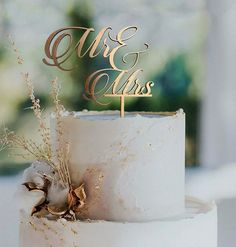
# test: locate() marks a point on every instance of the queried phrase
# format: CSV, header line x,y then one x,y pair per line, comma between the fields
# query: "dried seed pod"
x,y
41,195
40,211
70,215
55,210
30,185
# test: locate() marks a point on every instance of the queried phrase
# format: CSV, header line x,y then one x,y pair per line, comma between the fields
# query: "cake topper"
x,y
99,84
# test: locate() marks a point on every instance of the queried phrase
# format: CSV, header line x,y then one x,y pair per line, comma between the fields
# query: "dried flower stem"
x,y
20,59
4,139
61,153
43,151
43,129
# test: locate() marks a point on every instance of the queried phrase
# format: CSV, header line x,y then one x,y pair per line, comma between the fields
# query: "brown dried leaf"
x,y
71,199
80,193
76,198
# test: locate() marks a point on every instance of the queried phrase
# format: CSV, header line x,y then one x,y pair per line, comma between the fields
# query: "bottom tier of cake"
x,y
196,228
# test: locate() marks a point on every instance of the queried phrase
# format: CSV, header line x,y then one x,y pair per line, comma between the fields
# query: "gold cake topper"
x,y
99,83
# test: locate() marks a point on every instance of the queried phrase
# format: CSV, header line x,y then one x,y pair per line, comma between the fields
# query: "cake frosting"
x,y
196,227
133,172
139,160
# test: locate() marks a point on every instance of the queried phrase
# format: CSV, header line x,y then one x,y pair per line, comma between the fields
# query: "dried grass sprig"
x,y
62,150
11,140
4,142
19,57
43,151
43,129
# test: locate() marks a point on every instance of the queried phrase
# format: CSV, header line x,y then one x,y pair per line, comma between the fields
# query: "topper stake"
x,y
122,106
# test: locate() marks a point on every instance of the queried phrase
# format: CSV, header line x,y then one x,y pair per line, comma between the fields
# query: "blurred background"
x,y
192,60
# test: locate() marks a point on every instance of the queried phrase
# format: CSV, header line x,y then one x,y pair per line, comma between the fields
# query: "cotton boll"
x,y
39,181
35,172
36,188
57,195
27,200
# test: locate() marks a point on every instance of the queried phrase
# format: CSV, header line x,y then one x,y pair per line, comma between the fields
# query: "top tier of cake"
x,y
132,167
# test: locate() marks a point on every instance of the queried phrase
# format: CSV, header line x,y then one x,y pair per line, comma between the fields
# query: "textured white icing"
x,y
140,159
197,227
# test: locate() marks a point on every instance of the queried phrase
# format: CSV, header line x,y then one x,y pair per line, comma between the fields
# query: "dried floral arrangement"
x,y
47,190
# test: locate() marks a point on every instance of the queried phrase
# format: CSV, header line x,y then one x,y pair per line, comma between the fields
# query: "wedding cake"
x,y
132,170
108,178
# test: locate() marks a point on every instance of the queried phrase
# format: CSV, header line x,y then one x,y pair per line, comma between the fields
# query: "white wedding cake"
x,y
132,170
